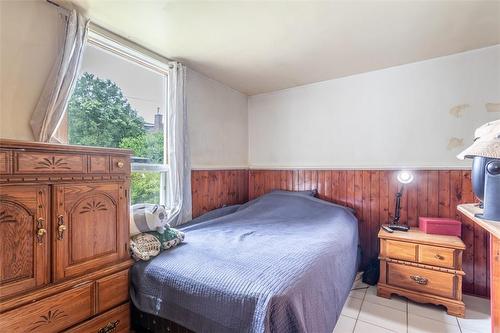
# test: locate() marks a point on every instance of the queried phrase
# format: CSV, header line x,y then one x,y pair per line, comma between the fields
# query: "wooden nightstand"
x,y
422,267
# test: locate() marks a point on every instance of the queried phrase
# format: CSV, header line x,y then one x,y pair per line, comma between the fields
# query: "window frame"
x,y
120,49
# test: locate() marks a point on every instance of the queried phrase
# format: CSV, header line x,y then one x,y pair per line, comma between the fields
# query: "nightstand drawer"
x,y
436,256
421,279
400,250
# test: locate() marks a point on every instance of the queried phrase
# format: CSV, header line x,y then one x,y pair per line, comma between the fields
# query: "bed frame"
x,y
147,323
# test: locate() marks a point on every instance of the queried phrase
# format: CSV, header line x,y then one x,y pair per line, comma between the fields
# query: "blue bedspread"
x,y
281,263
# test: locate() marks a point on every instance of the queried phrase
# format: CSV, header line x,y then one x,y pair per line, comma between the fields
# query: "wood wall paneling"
x,y
213,189
371,193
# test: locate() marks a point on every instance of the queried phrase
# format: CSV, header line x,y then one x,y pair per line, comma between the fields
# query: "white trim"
x,y
218,167
221,167
367,167
149,167
108,44
113,46
102,41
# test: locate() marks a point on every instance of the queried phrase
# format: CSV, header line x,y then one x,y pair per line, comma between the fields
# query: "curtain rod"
x,y
63,10
53,3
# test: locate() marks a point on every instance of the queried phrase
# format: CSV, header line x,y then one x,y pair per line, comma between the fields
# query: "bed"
x,y
284,262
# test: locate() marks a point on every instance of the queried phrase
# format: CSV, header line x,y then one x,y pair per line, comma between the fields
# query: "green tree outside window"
x,y
100,115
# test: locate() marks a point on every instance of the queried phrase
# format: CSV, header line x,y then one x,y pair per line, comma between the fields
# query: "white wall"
x,y
388,118
218,123
29,44
383,119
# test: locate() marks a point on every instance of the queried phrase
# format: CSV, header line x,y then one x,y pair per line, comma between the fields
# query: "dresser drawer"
x,y
112,290
116,321
421,279
120,164
52,314
400,250
5,161
436,256
33,162
98,164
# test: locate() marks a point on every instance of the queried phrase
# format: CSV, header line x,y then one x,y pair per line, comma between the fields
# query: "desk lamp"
x,y
404,177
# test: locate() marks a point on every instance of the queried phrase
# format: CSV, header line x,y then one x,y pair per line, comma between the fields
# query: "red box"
x,y
440,226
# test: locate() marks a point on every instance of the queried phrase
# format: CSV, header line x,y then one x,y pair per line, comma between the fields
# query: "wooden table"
x,y
493,228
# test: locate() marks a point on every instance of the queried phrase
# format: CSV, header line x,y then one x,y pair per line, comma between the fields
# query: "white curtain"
x,y
53,101
179,158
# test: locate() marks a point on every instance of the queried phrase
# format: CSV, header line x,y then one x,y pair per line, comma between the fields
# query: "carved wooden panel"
x,y
90,226
23,238
17,230
98,164
5,161
33,162
92,217
64,221
52,314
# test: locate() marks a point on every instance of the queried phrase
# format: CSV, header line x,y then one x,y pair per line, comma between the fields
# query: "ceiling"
x,y
262,46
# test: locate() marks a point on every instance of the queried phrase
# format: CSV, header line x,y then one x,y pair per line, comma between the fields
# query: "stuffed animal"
x,y
170,238
144,246
148,217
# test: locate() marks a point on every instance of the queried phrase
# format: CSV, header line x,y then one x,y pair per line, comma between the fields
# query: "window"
x,y
120,101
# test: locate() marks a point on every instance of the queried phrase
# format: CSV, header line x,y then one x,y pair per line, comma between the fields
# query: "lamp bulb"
x,y
405,177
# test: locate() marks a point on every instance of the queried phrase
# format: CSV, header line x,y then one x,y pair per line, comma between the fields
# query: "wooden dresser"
x,y
493,228
422,267
64,230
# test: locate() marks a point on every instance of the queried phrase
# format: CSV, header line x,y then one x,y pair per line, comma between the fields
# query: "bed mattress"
x,y
283,262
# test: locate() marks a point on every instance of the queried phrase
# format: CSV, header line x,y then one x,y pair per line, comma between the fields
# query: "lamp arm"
x,y
397,209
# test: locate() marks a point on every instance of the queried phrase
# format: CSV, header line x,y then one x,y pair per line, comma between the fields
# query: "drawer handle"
x,y
419,279
120,164
110,327
61,227
40,230
438,256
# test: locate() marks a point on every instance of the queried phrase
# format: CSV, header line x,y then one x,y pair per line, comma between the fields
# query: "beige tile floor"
x,y
365,312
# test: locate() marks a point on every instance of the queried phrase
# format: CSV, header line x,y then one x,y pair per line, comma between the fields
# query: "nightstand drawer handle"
x,y
419,279
438,256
